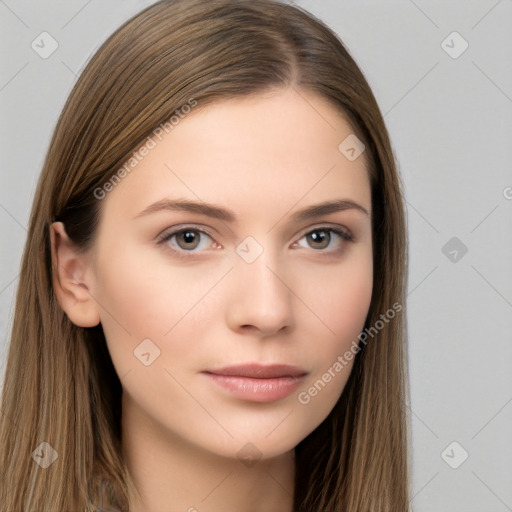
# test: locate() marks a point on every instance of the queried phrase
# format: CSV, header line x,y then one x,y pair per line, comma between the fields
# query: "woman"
x,y
210,312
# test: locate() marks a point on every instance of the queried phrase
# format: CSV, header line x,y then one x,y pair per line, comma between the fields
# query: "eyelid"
x,y
327,226
174,230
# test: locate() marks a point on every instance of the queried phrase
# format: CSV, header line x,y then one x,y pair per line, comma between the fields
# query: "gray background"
x,y
450,120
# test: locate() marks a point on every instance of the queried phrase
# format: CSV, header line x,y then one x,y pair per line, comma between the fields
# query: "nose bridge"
x,y
261,298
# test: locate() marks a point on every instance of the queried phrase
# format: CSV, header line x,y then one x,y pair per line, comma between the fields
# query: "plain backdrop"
x,y
442,74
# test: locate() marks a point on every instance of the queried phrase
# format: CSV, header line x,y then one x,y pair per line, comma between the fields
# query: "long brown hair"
x,y
60,385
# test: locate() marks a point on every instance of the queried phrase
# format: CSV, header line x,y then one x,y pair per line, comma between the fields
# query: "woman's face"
x,y
255,283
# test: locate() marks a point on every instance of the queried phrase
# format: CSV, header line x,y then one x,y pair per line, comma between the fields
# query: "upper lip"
x,y
259,371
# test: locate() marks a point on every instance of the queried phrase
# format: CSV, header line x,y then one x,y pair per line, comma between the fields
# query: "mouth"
x,y
256,382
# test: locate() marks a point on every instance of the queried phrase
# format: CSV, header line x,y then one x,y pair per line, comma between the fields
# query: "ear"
x,y
70,281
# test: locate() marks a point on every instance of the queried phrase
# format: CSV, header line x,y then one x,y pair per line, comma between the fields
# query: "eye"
x,y
194,240
186,239
321,238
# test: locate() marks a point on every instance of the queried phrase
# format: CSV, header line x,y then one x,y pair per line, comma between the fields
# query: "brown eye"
x,y
319,239
326,239
187,239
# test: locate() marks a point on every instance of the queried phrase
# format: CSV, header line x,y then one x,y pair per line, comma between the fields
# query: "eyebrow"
x,y
218,212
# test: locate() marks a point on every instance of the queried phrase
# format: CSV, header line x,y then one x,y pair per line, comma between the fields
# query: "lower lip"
x,y
257,390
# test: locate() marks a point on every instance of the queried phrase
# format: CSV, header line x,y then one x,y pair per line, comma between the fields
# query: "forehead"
x,y
271,150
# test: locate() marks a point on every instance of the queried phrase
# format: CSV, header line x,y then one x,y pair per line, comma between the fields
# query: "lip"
x,y
256,382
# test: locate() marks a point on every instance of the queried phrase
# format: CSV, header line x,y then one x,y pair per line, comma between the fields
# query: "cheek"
x,y
143,298
343,307
348,305
340,297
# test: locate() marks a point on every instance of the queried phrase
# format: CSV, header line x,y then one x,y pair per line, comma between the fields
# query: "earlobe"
x,y
69,278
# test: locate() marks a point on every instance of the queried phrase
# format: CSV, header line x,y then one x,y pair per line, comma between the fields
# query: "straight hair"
x,y
60,385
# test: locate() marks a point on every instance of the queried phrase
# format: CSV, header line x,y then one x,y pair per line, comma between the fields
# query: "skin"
x,y
299,302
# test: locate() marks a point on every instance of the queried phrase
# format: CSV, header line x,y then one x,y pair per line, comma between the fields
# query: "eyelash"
x,y
181,253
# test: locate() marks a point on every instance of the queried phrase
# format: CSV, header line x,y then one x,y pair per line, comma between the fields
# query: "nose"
x,y
261,299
